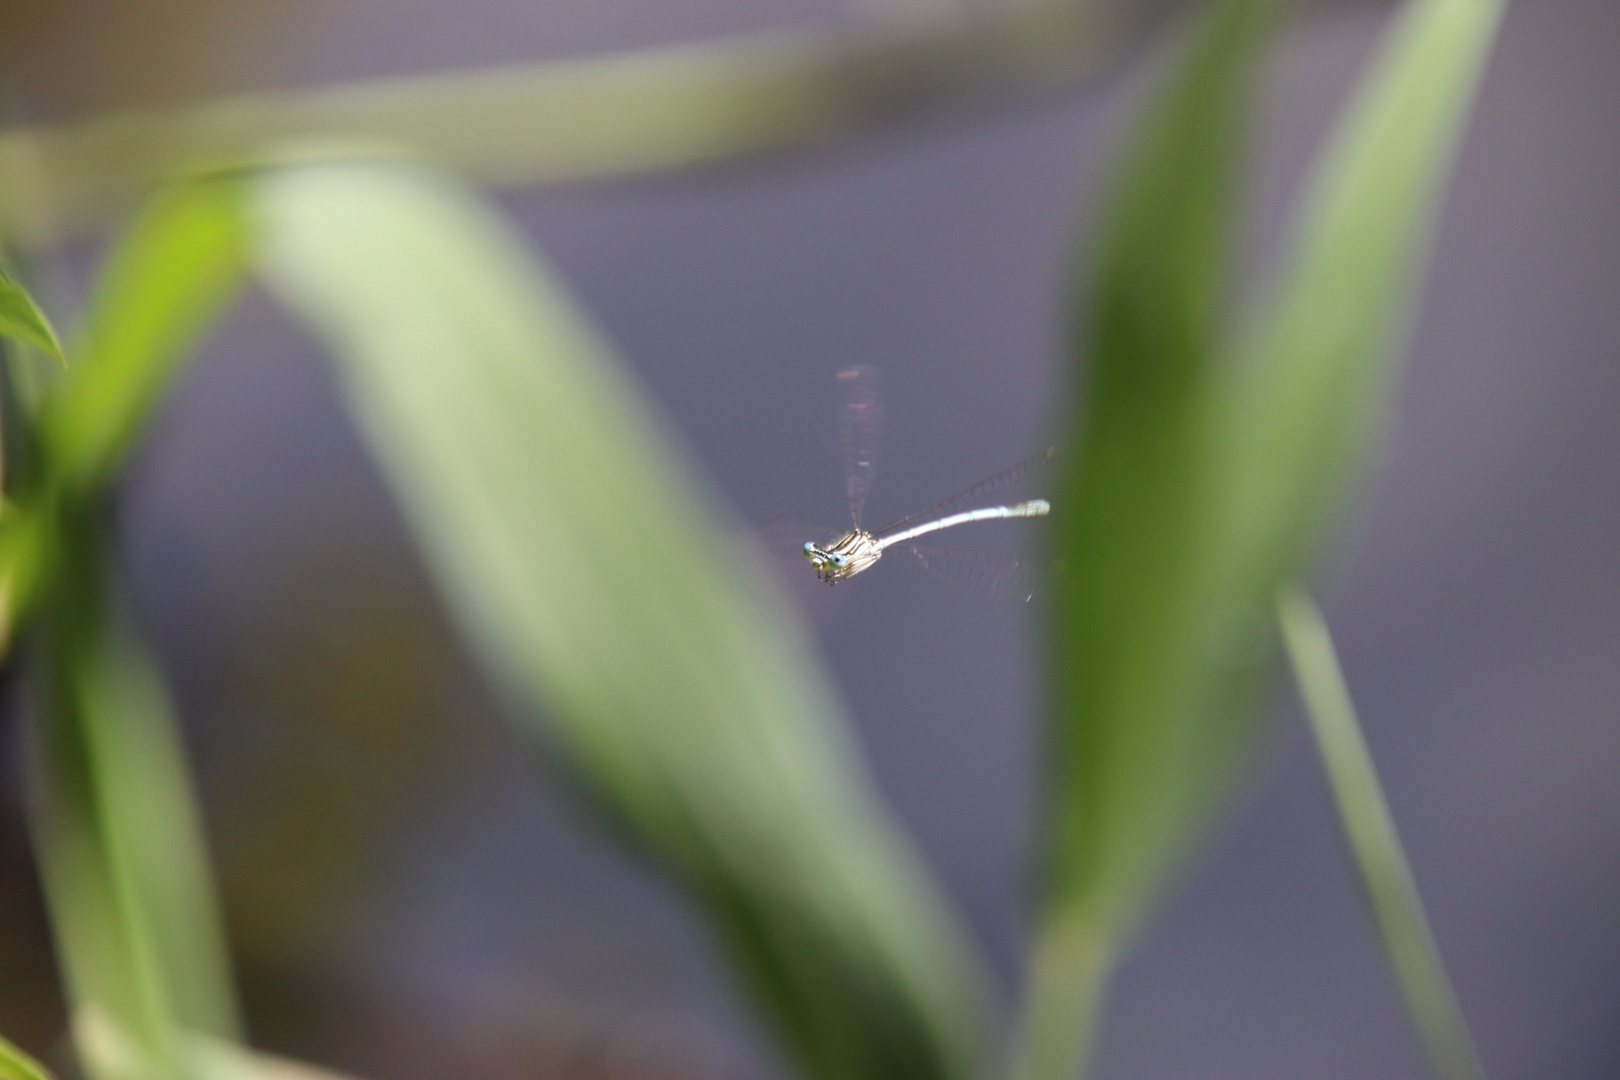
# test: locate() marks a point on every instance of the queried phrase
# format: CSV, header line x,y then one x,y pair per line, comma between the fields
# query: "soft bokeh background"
x,y
407,899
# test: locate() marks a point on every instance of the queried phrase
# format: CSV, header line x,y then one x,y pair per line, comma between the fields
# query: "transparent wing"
x,y
997,571
860,433
978,494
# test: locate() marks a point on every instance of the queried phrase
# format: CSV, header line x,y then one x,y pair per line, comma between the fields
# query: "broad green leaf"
x,y
1311,377
21,319
1208,468
1130,529
601,583
16,1065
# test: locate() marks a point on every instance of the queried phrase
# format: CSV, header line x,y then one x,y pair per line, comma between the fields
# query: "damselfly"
x,y
860,424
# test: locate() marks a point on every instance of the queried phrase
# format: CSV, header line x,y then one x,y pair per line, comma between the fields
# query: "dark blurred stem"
x,y
1370,830
1073,959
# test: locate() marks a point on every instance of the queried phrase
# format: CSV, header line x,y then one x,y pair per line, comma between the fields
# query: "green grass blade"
x,y
119,846
120,849
606,591
16,1065
1369,829
21,319
167,278
1129,528
1313,374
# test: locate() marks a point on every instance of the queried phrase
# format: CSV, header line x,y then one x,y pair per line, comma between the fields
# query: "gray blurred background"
x,y
407,900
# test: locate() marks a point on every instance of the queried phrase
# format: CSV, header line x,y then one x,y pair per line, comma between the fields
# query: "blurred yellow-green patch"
x,y
16,1065
21,319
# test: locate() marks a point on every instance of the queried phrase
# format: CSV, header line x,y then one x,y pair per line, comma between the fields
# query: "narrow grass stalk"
x,y
1370,830
1072,962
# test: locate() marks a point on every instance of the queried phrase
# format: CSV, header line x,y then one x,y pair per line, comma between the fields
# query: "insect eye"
x,y
838,560
809,549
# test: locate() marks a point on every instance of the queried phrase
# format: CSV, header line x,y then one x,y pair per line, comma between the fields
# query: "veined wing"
x,y
976,494
860,433
1009,572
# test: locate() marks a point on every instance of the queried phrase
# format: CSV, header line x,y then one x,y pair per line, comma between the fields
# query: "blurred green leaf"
x,y
171,272
24,534
168,275
121,853
1312,376
20,318
584,118
1369,829
16,1065
1205,476
603,586
1129,531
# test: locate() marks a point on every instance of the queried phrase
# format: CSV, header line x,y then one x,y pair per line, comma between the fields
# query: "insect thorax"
x,y
858,551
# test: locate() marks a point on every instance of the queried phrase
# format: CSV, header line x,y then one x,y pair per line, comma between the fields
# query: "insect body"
x,y
860,420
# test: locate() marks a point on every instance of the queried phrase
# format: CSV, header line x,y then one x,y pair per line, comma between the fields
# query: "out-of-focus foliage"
x,y
637,644
166,278
16,1065
20,318
122,864
1211,458
601,585
121,855
657,109
1129,535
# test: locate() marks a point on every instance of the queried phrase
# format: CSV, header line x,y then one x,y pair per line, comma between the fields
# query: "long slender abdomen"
x,y
1032,508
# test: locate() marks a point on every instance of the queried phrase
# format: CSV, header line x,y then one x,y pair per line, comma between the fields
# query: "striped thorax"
x,y
839,561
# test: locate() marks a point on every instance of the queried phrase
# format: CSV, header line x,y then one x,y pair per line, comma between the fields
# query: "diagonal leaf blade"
x,y
16,1065
122,860
1311,377
167,278
121,852
22,320
1129,525
595,578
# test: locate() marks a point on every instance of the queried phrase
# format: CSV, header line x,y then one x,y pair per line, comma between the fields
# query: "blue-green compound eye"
x,y
809,549
838,560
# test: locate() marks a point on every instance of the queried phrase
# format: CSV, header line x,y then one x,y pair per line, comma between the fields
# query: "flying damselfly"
x,y
860,423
